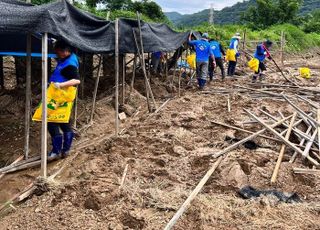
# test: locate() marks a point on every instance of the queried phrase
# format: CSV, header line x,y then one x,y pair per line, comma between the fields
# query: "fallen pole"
x,y
288,143
301,144
204,180
13,163
283,148
244,130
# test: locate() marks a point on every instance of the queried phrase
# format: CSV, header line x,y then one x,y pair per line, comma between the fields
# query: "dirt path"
x,y
165,162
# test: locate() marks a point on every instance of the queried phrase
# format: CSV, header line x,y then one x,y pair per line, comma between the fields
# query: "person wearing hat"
x,y
203,51
218,53
261,53
234,46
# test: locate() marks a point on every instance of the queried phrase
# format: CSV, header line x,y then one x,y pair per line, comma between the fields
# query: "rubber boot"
x,y
67,142
56,146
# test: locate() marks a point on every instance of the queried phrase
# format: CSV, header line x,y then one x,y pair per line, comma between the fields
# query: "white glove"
x,y
57,85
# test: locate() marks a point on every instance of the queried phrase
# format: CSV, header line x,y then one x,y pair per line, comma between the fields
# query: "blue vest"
x,y
56,75
215,47
203,50
232,45
260,53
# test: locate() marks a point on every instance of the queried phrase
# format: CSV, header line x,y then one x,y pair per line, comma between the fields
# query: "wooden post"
x,y
117,76
28,99
283,147
44,128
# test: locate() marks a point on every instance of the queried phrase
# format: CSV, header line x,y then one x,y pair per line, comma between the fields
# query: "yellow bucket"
x,y
305,73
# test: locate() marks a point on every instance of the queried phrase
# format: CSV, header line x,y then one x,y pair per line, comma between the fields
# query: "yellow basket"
x,y
305,73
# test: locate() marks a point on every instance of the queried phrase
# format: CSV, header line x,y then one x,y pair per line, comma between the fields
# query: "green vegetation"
x,y
270,12
297,39
230,15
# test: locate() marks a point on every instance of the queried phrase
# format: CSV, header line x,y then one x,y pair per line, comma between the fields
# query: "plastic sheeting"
x,y
80,29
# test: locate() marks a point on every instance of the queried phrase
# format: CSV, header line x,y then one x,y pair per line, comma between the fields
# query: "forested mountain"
x,y
228,15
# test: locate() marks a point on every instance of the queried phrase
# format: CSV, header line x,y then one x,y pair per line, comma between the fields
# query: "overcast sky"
x,y
192,6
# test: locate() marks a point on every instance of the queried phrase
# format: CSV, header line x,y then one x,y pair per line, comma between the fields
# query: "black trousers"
x,y
262,67
219,62
232,68
54,128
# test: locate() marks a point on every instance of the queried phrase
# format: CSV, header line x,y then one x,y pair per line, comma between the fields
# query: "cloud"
x,y
192,6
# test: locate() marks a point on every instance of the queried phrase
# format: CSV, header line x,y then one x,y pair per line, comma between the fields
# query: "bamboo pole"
x,y
204,180
28,99
134,71
95,91
75,115
143,68
244,130
301,144
318,117
309,144
123,79
288,143
143,61
124,175
117,77
314,122
44,128
283,147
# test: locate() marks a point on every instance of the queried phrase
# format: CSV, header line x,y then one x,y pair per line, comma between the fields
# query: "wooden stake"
x,y
44,128
282,49
229,105
117,77
95,91
28,99
134,71
283,147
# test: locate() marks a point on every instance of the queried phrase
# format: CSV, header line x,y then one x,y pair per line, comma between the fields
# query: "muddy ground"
x,y
164,153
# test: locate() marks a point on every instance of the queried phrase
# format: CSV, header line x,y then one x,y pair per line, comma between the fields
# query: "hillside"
x,y
228,15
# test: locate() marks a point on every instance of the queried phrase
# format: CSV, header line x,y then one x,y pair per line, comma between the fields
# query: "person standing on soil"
x,y
203,51
218,51
262,52
156,62
65,75
233,54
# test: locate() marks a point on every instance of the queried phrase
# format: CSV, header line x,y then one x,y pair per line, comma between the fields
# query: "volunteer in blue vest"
x,y
262,52
66,74
203,51
234,45
219,54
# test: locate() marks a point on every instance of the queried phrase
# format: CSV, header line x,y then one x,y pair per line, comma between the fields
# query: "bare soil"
x,y
164,153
